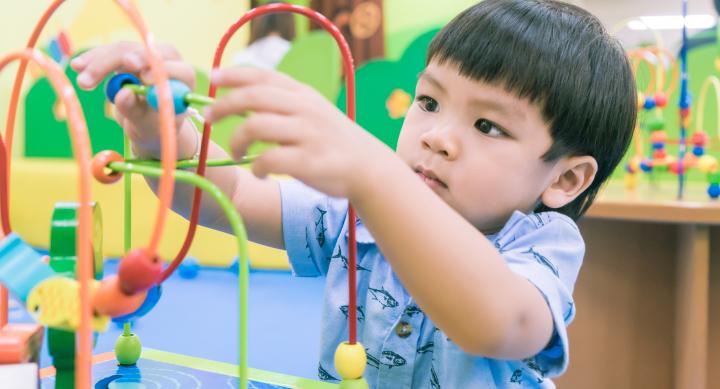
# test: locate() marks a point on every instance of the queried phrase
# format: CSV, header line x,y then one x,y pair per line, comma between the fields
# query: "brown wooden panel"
x,y
713,378
360,21
623,334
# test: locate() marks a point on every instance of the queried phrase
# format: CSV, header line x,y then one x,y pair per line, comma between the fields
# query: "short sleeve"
x,y
547,249
312,223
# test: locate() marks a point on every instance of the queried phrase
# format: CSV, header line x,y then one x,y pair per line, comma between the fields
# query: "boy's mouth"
x,y
430,178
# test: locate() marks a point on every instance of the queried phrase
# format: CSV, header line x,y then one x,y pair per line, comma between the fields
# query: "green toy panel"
x,y
380,82
46,130
313,59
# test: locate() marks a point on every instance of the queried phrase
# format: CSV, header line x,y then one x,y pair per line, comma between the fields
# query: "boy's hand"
x,y
132,112
318,144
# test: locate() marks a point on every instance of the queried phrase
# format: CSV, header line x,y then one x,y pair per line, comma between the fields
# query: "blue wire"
x,y
684,101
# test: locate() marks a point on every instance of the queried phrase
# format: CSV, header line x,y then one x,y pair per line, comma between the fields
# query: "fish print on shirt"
x,y
532,364
360,312
434,381
393,359
371,360
307,245
344,259
383,297
389,358
320,226
542,260
516,377
540,221
412,310
324,375
426,348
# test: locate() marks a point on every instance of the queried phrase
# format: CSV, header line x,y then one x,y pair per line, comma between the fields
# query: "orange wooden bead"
x,y
100,163
138,271
108,299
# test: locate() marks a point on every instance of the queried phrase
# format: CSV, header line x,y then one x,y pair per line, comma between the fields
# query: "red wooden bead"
x,y
659,154
660,100
138,272
699,138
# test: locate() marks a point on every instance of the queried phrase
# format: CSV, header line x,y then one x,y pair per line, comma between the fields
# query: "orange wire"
x,y
656,51
674,66
81,149
165,192
636,59
168,143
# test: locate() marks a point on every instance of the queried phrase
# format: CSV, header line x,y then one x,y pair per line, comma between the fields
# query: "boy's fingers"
x,y
96,64
128,105
244,75
177,70
260,98
266,128
279,160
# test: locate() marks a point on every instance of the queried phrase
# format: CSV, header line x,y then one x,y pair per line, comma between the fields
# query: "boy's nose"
x,y
441,142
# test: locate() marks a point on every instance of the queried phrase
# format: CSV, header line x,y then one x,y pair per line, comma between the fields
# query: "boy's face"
x,y
476,145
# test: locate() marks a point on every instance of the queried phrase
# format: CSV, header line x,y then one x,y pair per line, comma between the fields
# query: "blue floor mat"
x,y
198,317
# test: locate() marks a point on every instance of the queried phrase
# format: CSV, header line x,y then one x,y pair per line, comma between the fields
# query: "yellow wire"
x,y
699,117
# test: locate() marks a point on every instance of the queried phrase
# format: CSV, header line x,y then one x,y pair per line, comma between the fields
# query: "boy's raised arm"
x,y
258,201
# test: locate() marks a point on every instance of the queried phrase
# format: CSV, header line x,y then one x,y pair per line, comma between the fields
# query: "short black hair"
x,y
559,57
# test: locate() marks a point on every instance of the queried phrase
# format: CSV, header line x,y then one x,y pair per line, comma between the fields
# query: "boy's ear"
x,y
574,175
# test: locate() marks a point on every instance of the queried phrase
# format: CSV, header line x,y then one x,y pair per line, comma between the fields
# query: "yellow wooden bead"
x,y
640,100
630,181
635,163
350,360
707,163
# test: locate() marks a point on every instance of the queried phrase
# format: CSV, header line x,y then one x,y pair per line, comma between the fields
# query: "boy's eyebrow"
x,y
427,76
499,107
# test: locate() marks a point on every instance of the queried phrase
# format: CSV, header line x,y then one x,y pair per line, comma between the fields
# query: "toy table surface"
x,y
656,202
159,369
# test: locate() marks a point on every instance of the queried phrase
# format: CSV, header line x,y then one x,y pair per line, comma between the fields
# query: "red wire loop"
x,y
349,71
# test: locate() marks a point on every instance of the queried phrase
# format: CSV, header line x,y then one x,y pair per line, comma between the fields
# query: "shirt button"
x,y
403,329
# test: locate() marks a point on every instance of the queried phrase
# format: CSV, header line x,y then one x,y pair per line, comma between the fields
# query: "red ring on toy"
x,y
100,164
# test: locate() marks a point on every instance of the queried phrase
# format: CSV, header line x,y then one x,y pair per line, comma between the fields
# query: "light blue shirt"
x,y
404,348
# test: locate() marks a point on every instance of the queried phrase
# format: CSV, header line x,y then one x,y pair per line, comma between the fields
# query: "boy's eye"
x,y
427,103
489,128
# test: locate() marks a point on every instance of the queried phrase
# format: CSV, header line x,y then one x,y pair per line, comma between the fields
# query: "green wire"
x,y
190,98
187,163
238,229
127,211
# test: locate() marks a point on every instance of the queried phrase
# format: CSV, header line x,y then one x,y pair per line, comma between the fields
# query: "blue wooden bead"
x,y
151,299
646,166
649,103
189,268
658,146
699,151
714,191
178,90
117,82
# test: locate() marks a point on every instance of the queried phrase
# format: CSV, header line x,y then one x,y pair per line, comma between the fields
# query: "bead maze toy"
x,y
66,290
662,64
